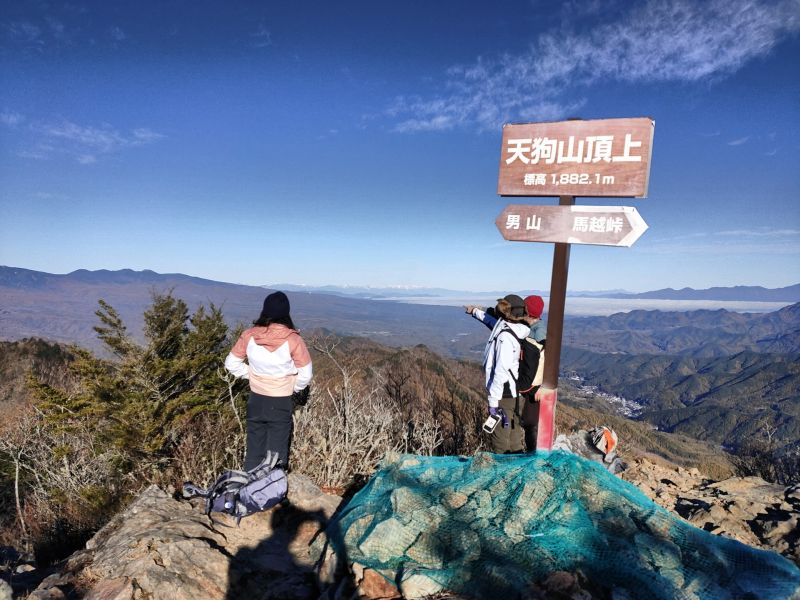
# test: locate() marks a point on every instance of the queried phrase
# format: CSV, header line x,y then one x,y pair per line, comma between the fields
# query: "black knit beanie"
x,y
276,305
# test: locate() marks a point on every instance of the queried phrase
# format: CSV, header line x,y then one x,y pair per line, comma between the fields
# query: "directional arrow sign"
x,y
599,225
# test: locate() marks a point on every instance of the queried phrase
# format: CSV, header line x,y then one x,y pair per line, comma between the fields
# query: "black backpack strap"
x,y
519,340
511,331
192,491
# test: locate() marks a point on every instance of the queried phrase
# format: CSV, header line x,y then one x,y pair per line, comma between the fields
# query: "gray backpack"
x,y
242,493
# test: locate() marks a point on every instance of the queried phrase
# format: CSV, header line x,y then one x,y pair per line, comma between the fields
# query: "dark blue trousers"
x,y
269,427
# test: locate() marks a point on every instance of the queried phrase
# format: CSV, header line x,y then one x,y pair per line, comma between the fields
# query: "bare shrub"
x,y
345,429
763,459
427,406
762,456
59,473
366,410
208,445
422,436
341,434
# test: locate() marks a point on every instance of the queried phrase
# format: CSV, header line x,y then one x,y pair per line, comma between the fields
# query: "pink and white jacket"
x,y
278,362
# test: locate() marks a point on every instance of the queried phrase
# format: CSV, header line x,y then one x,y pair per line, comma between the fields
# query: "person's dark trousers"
x,y
269,427
530,421
511,439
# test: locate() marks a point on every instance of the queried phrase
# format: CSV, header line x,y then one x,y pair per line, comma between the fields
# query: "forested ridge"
x,y
697,333
727,400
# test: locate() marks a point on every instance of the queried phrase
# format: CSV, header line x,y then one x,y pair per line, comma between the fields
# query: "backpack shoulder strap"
x,y
264,467
507,329
229,479
511,331
539,345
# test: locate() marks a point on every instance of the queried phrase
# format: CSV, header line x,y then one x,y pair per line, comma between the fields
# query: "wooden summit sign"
x,y
607,157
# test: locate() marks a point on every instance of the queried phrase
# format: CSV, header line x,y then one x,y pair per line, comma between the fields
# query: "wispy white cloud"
x,y
117,34
739,141
758,240
143,135
100,139
50,196
23,32
11,119
57,29
755,232
35,36
85,143
760,233
732,249
35,153
261,38
659,40
328,134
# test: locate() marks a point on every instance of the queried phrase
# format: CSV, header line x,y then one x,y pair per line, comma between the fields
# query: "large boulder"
x,y
164,548
747,509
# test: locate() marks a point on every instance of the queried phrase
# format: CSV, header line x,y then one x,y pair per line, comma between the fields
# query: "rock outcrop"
x,y
164,548
161,547
747,509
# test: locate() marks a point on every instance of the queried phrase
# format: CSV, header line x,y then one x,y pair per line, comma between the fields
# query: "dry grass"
x,y
208,445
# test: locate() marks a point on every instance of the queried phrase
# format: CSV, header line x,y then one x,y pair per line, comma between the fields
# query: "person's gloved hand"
x,y
301,397
498,412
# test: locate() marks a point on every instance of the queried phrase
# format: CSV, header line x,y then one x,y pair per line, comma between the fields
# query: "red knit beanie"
x,y
534,305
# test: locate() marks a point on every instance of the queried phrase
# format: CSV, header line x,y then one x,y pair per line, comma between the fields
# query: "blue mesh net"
x,y
491,526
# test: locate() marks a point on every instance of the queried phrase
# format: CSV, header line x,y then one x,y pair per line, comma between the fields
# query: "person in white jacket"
x,y
275,360
501,370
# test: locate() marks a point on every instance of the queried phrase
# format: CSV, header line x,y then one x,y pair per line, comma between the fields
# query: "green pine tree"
x,y
140,401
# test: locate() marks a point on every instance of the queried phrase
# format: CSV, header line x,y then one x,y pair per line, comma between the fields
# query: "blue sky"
x,y
358,142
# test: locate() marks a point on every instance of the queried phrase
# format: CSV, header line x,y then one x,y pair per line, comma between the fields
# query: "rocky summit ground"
x,y
161,547
747,509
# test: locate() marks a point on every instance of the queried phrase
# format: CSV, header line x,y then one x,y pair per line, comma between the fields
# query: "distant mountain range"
x,y
61,308
740,292
368,292
736,293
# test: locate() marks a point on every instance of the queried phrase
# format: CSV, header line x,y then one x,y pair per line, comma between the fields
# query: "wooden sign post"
x,y
609,157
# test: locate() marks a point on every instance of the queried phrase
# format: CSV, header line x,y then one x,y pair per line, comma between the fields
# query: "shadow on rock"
x,y
294,562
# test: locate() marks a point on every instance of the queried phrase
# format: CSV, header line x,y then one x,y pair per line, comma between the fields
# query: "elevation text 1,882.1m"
x,y
567,179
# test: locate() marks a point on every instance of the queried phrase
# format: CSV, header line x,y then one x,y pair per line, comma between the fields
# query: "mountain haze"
x,y
740,292
61,308
735,293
